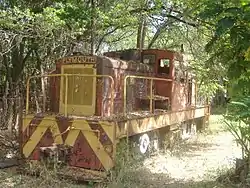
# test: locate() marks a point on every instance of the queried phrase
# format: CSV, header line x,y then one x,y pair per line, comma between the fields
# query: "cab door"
x,y
81,92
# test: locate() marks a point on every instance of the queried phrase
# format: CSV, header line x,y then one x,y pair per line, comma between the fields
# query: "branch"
x,y
123,36
158,32
203,22
11,47
106,34
181,20
26,57
167,22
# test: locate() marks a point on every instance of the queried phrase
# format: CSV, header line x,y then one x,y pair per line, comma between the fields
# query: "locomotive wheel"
x,y
149,142
141,144
144,143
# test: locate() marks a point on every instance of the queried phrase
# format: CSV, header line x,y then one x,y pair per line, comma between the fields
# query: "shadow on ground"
x,y
190,149
132,178
143,178
218,110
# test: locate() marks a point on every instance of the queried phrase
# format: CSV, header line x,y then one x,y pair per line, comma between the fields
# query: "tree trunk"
x,y
93,24
10,109
141,32
144,31
139,35
43,91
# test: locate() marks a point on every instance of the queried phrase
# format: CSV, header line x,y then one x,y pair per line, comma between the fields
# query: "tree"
x,y
229,45
27,40
230,42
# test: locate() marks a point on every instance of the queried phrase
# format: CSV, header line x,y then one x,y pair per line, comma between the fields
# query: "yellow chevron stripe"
x,y
109,129
39,133
26,122
35,138
56,133
95,144
71,138
77,127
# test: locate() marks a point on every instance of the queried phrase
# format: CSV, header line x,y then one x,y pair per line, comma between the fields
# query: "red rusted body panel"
x,y
176,91
54,91
116,68
162,54
179,96
47,139
81,153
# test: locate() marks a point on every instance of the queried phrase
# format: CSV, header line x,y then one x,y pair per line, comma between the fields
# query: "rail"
x,y
151,89
66,88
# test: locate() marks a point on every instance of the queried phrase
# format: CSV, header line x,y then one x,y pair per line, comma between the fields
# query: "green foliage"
x,y
230,42
24,33
229,45
238,120
239,110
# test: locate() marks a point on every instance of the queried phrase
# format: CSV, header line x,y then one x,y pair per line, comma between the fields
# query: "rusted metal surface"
x,y
118,69
162,88
91,143
163,54
151,94
176,91
127,55
111,91
137,123
179,96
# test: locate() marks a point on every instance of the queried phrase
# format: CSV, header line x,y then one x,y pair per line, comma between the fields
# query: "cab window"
x,y
164,66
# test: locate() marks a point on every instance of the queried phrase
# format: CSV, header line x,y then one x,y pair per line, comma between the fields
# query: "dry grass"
x,y
195,163
12,179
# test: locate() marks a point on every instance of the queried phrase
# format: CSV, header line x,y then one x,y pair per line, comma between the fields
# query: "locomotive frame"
x,y
87,142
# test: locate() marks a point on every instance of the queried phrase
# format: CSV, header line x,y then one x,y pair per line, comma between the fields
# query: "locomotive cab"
x,y
162,60
163,63
166,64
180,92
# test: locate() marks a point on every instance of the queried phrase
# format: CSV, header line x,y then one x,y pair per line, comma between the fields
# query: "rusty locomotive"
x,y
92,102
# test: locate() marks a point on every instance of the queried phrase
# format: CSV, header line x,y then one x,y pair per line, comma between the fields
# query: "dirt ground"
x,y
194,163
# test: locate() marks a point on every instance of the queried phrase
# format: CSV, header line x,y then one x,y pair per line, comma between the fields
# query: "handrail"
x,y
66,89
151,89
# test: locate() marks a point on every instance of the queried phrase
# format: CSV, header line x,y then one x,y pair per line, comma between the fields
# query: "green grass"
x,y
216,125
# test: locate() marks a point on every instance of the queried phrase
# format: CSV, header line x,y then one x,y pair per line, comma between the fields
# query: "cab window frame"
x,y
164,68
